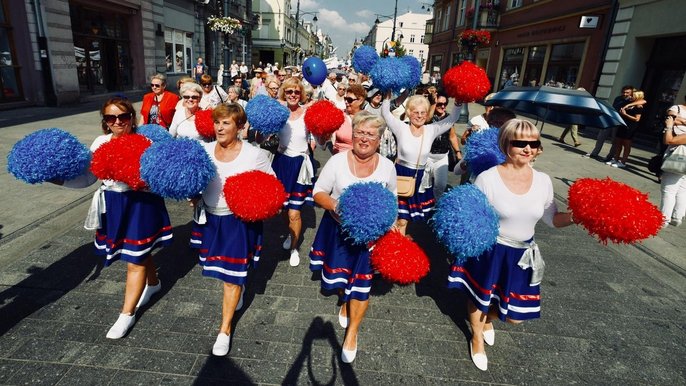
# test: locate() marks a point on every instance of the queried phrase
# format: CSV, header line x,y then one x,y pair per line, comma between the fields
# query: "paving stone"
x,y
8,368
35,373
81,375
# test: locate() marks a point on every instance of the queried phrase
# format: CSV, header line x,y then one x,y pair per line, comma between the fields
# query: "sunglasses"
x,y
193,97
110,119
153,85
349,100
522,144
291,92
440,104
206,84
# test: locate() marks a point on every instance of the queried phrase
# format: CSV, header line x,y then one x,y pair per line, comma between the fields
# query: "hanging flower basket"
x,y
474,38
224,24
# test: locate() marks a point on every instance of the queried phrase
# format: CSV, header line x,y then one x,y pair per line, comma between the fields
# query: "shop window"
x,y
512,66
515,4
534,66
178,51
564,64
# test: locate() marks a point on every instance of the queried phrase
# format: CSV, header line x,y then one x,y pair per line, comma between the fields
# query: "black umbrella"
x,y
558,105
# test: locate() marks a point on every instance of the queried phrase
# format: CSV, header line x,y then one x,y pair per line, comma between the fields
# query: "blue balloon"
x,y
314,70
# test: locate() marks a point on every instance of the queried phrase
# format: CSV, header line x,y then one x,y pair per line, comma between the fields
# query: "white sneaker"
x,y
287,243
121,326
675,222
619,164
295,258
221,345
148,291
610,162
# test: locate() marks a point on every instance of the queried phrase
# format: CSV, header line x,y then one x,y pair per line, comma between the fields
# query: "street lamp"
x,y
395,16
426,6
297,22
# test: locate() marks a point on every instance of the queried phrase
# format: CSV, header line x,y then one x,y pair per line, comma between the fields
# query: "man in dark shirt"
x,y
603,134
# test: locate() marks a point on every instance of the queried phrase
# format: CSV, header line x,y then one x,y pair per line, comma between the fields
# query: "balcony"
x,y
488,16
429,31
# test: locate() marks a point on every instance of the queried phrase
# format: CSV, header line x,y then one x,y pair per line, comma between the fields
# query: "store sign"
x,y
589,22
542,31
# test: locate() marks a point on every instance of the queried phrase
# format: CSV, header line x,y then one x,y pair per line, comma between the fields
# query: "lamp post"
x,y
395,17
227,52
297,25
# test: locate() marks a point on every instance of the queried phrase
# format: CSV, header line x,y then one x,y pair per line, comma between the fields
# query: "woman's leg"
x,y
477,320
136,276
626,144
232,294
670,187
356,312
294,227
680,206
401,224
574,129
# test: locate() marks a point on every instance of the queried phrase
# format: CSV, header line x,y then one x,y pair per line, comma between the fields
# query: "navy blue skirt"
x,y
420,206
133,225
287,169
343,265
227,246
495,278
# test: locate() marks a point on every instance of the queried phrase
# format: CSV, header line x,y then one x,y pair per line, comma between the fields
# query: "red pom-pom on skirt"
x,y
205,124
466,82
323,118
120,160
613,211
399,259
254,195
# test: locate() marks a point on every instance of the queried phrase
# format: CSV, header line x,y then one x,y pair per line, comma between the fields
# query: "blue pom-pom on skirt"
x,y
134,224
495,278
287,169
367,210
420,206
227,247
343,265
48,154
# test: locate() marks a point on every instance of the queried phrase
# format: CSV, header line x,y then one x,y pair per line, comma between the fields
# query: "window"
x,y
512,66
421,54
412,38
446,19
439,20
421,39
515,4
9,69
563,67
400,24
411,52
436,62
461,6
178,51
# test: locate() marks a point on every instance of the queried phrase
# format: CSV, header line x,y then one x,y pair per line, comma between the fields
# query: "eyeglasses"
x,y
522,144
291,92
274,88
191,97
155,85
362,134
341,88
440,104
206,84
349,100
110,119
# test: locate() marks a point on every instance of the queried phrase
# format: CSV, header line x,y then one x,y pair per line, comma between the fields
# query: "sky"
x,y
346,20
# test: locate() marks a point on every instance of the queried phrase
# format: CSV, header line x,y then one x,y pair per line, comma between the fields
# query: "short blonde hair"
x,y
417,100
364,117
515,128
292,82
638,95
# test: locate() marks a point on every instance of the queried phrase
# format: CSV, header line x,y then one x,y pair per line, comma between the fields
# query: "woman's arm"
x,y
669,138
562,219
633,118
455,143
393,123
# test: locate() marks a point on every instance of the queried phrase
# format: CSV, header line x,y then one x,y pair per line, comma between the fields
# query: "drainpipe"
x,y
608,35
48,86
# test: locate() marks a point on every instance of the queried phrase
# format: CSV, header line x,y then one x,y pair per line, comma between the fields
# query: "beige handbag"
x,y
406,184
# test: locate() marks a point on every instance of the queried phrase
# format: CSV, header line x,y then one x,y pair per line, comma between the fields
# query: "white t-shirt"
x,y
336,176
681,113
183,127
519,213
250,158
293,136
408,145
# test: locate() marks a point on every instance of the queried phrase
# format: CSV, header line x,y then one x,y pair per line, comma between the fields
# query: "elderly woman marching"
x,y
292,164
414,144
345,267
504,282
129,225
227,245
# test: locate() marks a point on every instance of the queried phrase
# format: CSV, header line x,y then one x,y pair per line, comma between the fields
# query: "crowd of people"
x,y
384,136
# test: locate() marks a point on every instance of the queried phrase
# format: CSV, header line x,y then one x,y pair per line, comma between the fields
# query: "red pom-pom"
x,y
254,195
205,124
399,259
323,118
613,211
466,82
120,160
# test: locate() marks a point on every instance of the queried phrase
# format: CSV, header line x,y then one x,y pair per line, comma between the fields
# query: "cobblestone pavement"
x,y
611,314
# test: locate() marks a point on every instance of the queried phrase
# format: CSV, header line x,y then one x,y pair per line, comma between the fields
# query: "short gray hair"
x,y
161,77
364,117
190,86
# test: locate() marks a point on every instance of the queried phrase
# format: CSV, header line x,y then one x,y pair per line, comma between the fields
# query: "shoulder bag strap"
x,y
416,169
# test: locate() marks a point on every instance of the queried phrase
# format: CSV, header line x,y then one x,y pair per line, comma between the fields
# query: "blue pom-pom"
x,y
482,151
266,114
414,71
48,154
465,222
367,211
177,169
390,73
154,132
364,59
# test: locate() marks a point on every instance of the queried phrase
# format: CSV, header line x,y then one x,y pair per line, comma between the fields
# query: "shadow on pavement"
x,y
47,285
320,330
221,371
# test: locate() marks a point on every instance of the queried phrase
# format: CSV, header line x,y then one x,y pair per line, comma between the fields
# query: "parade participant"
x,y
354,103
133,224
345,267
437,162
496,282
179,83
159,105
227,244
183,124
212,95
292,164
414,143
